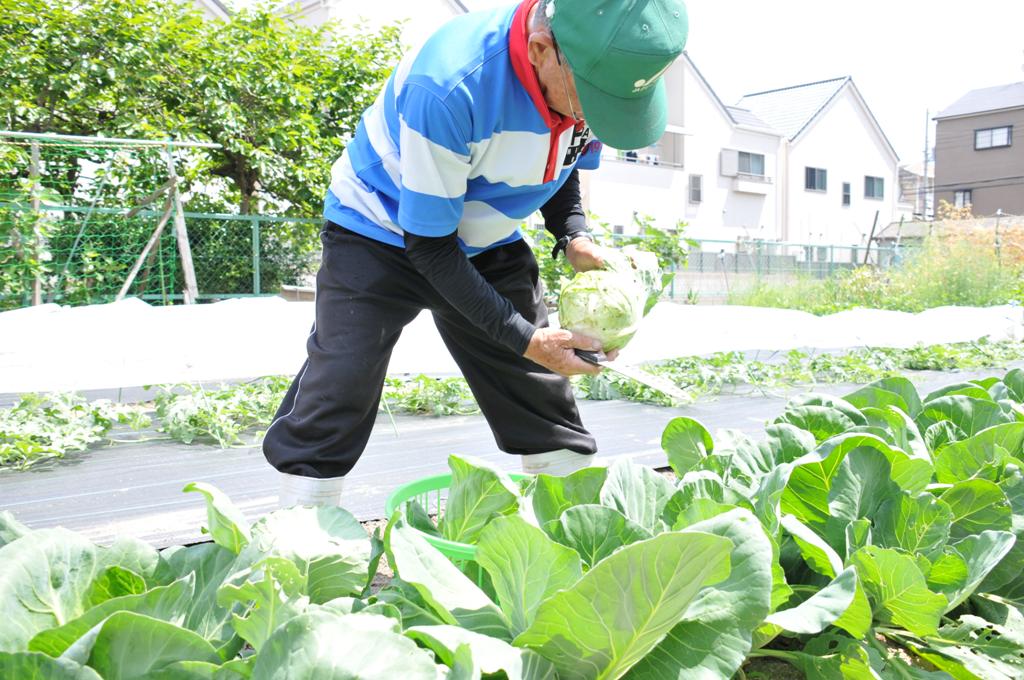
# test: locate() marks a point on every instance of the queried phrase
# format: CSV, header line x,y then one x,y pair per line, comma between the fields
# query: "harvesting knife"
x,y
655,382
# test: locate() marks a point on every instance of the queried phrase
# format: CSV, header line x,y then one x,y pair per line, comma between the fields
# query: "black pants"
x,y
366,292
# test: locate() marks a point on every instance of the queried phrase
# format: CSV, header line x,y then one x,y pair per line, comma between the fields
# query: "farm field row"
x,y
872,535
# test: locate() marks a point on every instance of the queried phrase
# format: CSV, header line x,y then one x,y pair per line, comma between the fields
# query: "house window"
x,y
751,164
816,179
874,187
993,138
963,198
696,187
847,190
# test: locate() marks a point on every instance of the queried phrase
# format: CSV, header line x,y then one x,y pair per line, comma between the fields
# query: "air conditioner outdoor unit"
x,y
730,162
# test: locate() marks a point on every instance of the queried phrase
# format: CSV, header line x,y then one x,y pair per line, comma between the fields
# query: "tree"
x,y
280,99
83,69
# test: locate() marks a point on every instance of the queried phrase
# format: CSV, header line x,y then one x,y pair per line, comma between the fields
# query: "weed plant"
x,y
943,272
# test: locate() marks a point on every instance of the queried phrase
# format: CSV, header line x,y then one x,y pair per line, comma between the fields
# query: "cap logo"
x,y
645,83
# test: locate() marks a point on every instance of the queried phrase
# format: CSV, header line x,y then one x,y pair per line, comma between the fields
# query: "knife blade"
x,y
655,382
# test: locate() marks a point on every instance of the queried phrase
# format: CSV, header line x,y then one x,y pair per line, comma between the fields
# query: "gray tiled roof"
x,y
790,109
987,99
746,117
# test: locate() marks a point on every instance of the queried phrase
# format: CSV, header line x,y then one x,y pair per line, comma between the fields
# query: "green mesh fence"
x,y
68,232
68,235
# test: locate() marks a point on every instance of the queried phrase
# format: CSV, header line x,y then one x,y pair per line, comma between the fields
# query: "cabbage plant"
x,y
871,536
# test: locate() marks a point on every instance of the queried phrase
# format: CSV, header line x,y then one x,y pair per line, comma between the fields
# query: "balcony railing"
x,y
640,158
745,176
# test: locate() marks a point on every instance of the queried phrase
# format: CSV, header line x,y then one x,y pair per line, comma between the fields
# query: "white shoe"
x,y
559,463
309,491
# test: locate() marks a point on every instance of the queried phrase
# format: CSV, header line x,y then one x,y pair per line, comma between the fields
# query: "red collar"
x,y
517,47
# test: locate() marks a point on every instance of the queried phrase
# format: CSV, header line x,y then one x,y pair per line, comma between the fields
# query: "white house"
x,y
805,164
837,169
715,168
420,17
213,9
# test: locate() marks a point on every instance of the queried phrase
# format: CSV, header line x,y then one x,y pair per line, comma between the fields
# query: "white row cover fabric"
x,y
130,343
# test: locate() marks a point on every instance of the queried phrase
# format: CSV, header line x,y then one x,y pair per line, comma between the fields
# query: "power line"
x,y
976,183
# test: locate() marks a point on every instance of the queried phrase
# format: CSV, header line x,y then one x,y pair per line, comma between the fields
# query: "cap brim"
x,y
625,123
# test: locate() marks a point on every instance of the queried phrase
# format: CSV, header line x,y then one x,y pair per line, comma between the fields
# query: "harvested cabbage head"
x,y
604,304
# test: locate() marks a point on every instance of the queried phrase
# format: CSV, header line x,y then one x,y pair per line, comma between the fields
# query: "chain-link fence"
x,y
716,268
88,255
79,217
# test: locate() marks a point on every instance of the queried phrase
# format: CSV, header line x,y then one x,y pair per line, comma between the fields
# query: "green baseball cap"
x,y
618,51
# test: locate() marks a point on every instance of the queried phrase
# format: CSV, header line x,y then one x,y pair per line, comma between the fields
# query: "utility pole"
x,y
999,254
924,178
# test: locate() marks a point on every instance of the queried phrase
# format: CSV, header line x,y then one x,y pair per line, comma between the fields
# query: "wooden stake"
x,y
149,199
191,291
867,251
153,239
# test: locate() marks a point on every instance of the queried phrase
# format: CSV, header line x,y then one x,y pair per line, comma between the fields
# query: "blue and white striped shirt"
x,y
460,139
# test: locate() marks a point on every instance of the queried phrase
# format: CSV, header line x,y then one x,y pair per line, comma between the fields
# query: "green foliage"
x,y
841,539
44,427
479,493
280,99
942,272
732,371
424,395
552,271
670,246
188,412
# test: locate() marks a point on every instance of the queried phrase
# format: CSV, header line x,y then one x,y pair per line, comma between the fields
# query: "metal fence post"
x,y
37,232
256,255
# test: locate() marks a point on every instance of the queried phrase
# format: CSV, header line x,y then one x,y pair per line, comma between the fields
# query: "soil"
x,y
769,669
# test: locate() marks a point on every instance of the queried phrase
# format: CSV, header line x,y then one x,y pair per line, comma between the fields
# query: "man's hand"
x,y
552,348
584,255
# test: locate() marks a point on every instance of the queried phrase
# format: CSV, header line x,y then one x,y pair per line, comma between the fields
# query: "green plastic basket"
x,y
432,493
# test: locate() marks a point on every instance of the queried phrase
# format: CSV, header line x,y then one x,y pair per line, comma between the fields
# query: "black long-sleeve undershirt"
x,y
563,213
442,263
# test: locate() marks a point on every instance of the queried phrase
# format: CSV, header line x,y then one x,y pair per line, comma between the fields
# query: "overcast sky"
x,y
906,56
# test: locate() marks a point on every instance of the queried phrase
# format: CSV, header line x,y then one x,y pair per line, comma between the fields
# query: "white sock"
x,y
299,490
559,463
